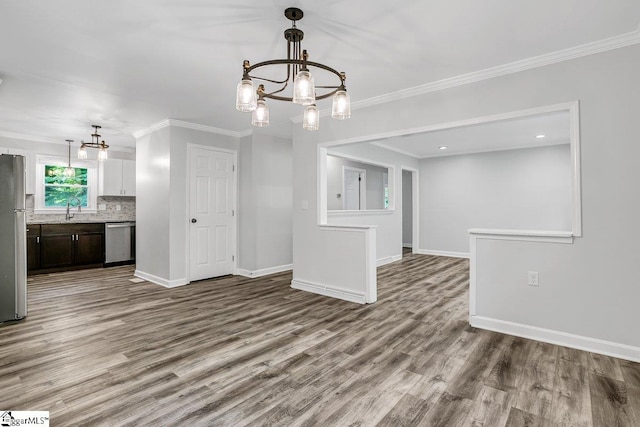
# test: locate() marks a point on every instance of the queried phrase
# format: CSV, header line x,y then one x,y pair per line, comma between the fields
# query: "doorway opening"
x,y
355,184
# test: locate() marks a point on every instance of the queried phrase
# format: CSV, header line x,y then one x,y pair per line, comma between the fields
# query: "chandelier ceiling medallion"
x,y
95,143
250,99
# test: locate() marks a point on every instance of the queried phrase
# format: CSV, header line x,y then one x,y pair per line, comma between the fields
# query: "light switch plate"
x,y
305,204
102,206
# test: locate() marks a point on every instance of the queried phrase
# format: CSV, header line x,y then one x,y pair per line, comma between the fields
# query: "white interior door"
x,y
212,213
354,190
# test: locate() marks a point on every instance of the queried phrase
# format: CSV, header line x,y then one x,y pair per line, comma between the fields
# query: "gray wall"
x,y
407,211
588,288
374,182
265,168
526,189
388,223
153,198
162,238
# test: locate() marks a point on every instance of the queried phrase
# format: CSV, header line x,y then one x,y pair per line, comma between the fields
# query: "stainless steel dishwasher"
x,y
120,243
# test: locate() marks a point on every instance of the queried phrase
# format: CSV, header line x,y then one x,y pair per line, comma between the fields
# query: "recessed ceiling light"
x,y
442,147
540,136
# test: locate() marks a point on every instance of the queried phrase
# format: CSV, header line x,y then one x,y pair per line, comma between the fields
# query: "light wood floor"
x,y
97,349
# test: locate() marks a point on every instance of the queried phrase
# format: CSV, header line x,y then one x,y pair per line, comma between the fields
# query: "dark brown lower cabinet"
x,y
66,246
33,247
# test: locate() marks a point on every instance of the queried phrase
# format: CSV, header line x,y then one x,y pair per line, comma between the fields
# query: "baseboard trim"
x,y
264,271
608,348
329,291
443,253
160,281
388,260
407,245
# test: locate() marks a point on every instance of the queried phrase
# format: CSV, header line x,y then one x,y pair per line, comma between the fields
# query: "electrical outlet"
x,y
532,278
118,207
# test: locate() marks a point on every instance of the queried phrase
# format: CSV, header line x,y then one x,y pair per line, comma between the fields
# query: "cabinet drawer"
x,y
56,229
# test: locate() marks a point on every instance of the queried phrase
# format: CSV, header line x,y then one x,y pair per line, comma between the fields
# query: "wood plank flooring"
x,y
98,349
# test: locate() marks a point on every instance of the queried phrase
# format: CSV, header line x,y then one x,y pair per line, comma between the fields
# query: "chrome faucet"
x,y
78,203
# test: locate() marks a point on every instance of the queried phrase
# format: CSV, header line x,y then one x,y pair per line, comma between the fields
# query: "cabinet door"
x,y
110,178
33,253
128,178
89,248
56,251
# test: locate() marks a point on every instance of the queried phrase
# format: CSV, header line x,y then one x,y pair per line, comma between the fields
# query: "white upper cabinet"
x,y
129,177
117,178
30,167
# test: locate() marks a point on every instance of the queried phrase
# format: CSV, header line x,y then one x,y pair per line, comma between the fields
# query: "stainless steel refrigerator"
x,y
13,239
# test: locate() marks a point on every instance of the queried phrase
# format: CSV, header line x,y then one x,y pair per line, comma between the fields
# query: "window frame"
x,y
92,184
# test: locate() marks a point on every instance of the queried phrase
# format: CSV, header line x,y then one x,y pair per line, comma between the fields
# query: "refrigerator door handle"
x,y
20,173
21,264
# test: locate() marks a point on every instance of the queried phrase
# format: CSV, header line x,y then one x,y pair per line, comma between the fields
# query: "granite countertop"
x,y
73,221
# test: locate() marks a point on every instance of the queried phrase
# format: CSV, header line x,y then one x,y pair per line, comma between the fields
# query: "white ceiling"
x,y
493,136
125,65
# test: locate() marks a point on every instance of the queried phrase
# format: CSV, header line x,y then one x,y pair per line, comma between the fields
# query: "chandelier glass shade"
x,y
311,118
296,72
95,143
260,116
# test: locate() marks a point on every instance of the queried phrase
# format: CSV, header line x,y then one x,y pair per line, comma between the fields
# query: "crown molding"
x,y
154,127
592,48
27,137
193,126
45,140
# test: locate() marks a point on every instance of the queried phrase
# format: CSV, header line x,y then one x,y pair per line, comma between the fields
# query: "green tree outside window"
x,y
58,187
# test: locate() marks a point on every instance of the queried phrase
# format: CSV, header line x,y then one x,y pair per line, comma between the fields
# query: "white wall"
x,y
374,183
407,208
525,189
588,288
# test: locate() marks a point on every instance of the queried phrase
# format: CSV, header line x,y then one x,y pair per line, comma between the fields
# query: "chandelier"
x,y
250,99
95,143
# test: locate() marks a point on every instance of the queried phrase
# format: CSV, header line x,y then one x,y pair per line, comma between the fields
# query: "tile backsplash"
x,y
127,212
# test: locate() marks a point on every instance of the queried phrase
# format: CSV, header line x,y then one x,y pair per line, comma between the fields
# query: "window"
x,y
54,189
59,188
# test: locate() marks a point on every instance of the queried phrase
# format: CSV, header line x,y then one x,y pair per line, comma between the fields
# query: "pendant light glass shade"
x,y
304,90
102,154
311,120
341,108
246,96
82,152
260,116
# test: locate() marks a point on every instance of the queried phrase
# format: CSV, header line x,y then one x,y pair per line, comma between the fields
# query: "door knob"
x,y
193,220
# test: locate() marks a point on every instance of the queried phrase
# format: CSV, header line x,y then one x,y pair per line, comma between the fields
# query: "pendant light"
x,y
95,143
69,171
298,75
